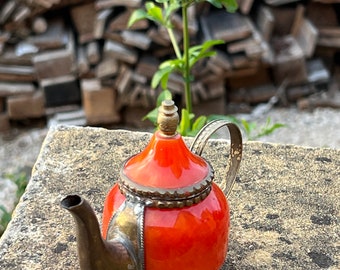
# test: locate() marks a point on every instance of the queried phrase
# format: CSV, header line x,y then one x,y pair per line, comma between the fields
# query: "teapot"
x,y
165,212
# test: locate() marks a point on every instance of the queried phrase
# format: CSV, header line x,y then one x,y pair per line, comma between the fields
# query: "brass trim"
x,y
166,197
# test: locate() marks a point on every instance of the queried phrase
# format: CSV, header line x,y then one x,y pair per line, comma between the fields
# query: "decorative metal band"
x,y
235,156
167,198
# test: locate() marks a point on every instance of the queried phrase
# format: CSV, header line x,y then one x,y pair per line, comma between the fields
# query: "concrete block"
x,y
22,107
99,102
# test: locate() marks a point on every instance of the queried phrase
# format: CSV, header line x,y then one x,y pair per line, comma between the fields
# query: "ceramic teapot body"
x,y
165,211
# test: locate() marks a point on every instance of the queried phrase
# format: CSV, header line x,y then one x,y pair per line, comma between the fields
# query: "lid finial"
x,y
168,118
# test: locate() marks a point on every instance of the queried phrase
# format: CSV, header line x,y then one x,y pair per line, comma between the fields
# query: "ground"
x,y
318,128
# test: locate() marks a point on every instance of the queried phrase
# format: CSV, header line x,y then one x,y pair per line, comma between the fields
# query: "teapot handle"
x,y
235,155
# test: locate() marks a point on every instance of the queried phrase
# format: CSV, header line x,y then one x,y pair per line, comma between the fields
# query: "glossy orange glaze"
x,y
190,238
166,163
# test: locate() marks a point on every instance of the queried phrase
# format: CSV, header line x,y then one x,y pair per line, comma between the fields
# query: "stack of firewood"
x,y
58,55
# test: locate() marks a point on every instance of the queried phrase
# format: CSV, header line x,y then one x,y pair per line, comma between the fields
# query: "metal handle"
x,y
235,155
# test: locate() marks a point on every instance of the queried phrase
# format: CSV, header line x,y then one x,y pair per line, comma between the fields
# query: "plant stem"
x,y
172,37
186,45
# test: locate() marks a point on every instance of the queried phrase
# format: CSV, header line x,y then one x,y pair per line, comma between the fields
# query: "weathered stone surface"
x,y
284,205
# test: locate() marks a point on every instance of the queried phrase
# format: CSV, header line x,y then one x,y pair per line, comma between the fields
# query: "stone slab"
x,y
284,205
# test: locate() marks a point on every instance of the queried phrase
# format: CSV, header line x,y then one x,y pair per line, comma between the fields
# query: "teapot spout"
x,y
94,252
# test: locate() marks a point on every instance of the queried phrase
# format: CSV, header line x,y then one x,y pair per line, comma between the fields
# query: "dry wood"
x,y
107,68
93,53
100,23
84,17
39,25
298,20
120,52
13,88
279,2
83,65
17,73
147,66
225,26
155,35
136,39
265,22
124,80
54,64
245,6
120,22
7,10
55,36
253,95
103,4
307,37
289,61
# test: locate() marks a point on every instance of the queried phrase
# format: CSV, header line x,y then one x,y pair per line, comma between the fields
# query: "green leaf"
x,y
202,51
155,13
164,95
137,15
152,116
184,125
230,5
199,123
161,75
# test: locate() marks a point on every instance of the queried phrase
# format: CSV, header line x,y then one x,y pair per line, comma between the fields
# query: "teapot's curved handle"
x,y
235,155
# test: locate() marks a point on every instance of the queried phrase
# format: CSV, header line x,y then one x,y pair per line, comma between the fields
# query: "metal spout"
x,y
94,252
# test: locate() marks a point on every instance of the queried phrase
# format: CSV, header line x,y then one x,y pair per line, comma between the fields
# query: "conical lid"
x,y
166,167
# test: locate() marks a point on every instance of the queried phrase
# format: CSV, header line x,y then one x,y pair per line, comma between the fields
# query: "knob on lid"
x,y
166,165
168,118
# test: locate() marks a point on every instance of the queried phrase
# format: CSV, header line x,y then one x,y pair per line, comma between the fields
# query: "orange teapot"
x,y
165,212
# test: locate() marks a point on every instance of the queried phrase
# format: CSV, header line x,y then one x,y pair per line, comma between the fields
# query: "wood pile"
x,y
58,56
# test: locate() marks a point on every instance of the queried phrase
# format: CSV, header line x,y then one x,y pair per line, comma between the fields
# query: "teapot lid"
x,y
166,173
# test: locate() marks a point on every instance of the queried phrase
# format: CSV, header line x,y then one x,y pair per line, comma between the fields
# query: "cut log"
x,y
298,20
104,4
252,95
4,122
225,26
120,22
120,52
124,80
54,64
83,66
17,73
265,22
107,68
7,10
147,66
245,6
136,39
93,52
99,103
23,107
39,25
12,89
307,37
289,61
100,23
84,17
55,37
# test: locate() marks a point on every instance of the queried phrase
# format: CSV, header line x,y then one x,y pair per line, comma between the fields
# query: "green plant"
x,y
161,14
21,180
